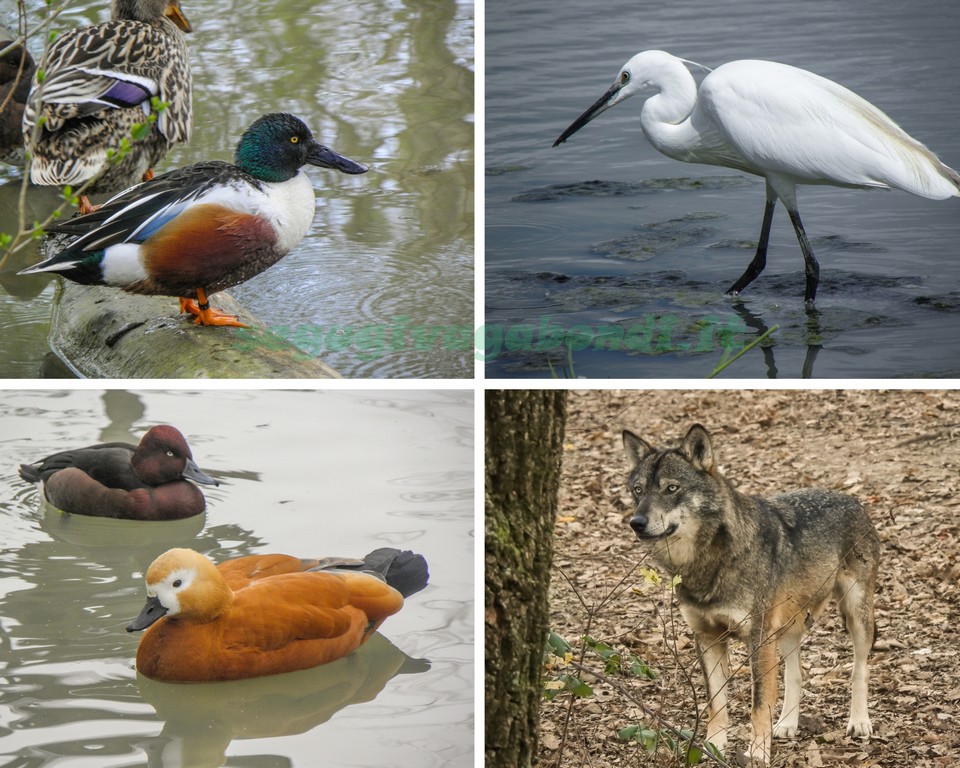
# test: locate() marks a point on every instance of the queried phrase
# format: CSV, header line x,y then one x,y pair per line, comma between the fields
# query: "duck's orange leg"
x,y
205,314
85,206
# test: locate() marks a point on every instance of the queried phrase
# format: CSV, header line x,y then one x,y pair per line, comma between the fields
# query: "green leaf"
x,y
558,646
712,749
647,737
577,687
140,131
639,668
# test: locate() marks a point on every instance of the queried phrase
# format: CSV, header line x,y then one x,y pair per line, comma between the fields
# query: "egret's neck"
x,y
665,117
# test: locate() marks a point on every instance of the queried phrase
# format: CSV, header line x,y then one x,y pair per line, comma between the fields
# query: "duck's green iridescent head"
x,y
277,145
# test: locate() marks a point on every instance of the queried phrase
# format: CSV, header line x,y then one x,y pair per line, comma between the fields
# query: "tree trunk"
x,y
524,443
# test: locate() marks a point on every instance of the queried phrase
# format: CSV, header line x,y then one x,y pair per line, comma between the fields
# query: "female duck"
x,y
263,615
98,85
148,481
204,227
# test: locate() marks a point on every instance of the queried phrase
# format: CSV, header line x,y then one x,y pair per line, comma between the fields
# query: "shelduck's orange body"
x,y
263,615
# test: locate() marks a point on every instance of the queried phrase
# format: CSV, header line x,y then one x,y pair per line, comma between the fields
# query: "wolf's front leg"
x,y
786,727
857,608
716,671
763,669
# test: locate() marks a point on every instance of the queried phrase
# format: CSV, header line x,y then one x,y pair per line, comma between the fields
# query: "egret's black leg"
x,y
760,258
810,264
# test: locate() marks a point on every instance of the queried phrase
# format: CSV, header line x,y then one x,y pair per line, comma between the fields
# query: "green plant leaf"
x,y
558,646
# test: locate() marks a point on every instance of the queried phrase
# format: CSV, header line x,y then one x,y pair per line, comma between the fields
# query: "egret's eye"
x,y
177,584
294,139
624,77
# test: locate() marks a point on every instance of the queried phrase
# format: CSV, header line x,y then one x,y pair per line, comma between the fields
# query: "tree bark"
x,y
524,444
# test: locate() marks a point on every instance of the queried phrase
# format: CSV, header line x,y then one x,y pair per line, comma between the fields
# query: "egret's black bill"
x,y
601,104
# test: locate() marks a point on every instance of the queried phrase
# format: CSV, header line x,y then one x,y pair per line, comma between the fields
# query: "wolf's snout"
x,y
639,524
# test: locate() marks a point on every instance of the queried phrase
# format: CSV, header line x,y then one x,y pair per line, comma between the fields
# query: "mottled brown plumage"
x,y
98,85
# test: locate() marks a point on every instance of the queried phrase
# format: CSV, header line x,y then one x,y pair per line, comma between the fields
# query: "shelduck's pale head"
x,y
183,585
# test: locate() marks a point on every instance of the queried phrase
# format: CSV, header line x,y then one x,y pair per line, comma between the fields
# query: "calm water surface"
x,y
305,473
385,82
605,235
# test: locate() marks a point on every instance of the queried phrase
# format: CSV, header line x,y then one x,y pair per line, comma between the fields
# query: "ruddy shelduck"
x,y
265,614
149,481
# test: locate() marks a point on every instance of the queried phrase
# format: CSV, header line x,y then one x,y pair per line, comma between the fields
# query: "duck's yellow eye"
x,y
294,139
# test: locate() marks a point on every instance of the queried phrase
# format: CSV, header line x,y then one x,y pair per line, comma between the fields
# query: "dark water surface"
x,y
624,253
385,82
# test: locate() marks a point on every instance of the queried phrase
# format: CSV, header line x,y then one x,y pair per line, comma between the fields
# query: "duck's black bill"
x,y
152,611
192,472
600,105
324,157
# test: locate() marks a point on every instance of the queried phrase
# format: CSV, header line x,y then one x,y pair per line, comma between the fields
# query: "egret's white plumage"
x,y
780,122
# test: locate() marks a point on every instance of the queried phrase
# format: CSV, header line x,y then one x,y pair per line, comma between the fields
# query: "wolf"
x,y
757,569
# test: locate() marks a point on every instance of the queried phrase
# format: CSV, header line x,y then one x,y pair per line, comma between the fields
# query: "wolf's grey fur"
x,y
759,569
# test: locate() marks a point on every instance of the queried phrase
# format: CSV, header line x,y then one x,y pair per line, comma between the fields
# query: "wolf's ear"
x,y
697,448
636,447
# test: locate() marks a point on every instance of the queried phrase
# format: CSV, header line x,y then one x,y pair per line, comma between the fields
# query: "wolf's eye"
x,y
637,489
672,488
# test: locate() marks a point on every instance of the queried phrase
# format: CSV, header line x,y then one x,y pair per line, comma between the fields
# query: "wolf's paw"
x,y
785,730
860,729
759,753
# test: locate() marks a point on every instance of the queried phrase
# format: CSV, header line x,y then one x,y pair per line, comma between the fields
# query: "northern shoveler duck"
x,y
265,614
204,227
16,72
148,481
97,86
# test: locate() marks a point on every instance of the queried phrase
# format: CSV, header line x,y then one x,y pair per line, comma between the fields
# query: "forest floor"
x,y
898,451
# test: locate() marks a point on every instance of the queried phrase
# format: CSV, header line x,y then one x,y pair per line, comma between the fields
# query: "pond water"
x,y
626,253
385,82
302,472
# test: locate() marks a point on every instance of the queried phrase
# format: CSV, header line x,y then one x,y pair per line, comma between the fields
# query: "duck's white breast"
x,y
290,207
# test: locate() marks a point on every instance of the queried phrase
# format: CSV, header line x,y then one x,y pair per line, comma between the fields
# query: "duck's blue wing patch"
x,y
137,213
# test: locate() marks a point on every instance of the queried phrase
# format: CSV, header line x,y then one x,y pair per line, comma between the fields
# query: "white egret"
x,y
785,124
